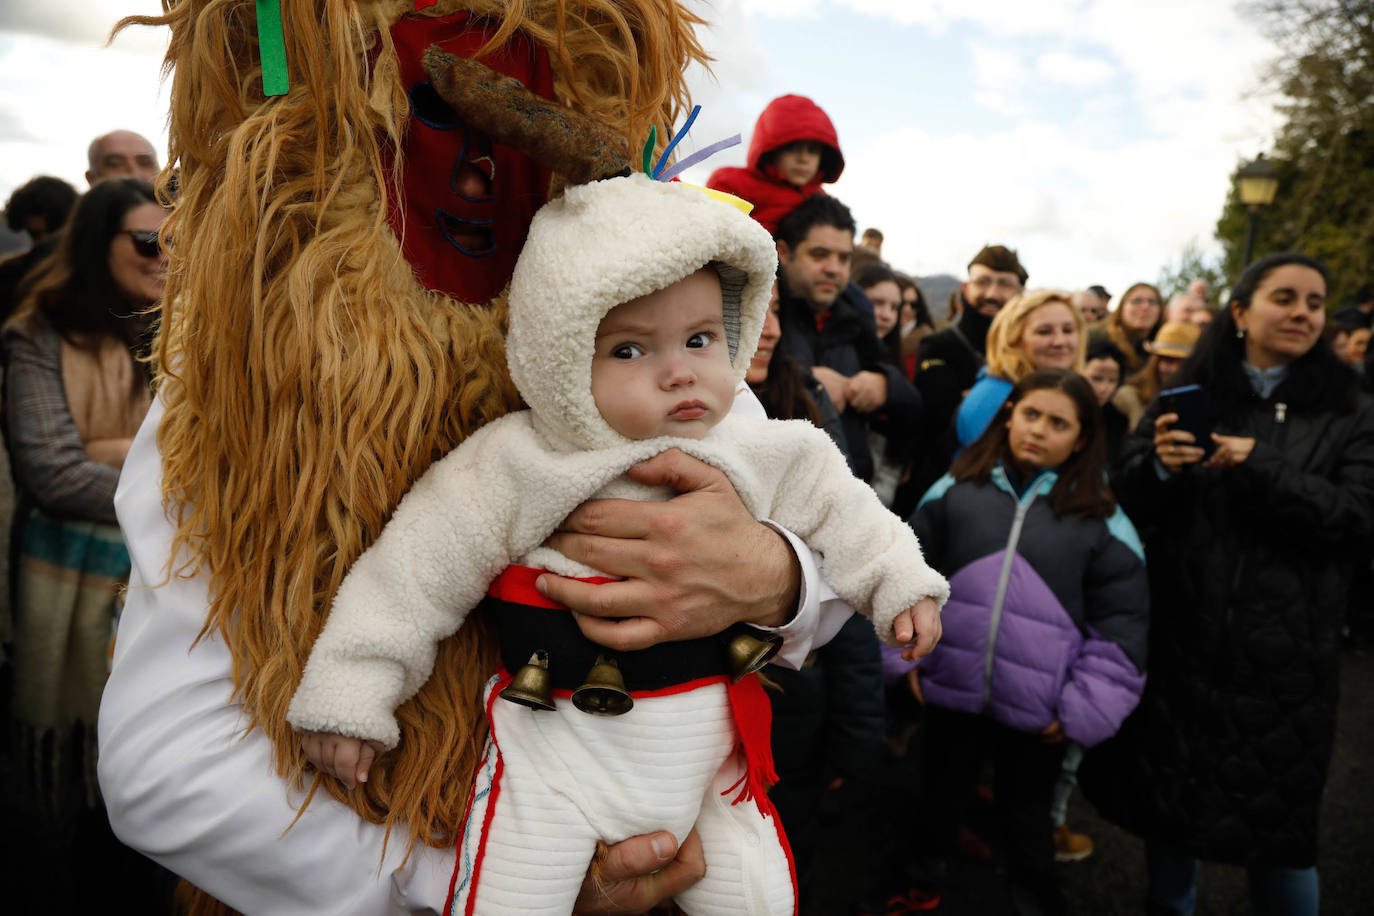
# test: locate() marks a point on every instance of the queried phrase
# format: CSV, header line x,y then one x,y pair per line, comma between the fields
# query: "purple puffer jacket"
x,y
1047,618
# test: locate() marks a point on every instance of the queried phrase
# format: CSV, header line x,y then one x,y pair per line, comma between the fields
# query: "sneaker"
x,y
1070,846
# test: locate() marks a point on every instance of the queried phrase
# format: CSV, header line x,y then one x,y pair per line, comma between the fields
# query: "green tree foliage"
x,y
1324,153
1193,264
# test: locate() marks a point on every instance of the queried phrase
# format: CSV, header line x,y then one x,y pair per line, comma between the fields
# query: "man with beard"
x,y
948,361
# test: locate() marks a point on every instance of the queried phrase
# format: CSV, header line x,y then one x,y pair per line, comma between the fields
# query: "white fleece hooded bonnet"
x,y
602,244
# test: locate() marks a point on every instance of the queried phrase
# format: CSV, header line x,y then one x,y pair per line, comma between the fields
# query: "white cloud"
x,y
994,66
781,9
1106,189
1073,70
1077,214
90,90
85,23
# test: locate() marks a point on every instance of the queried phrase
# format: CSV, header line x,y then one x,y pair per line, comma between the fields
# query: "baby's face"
x,y
662,365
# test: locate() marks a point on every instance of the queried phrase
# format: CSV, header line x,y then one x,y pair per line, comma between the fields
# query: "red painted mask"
x,y
466,202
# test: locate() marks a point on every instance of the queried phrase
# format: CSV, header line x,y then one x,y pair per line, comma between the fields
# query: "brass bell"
x,y
531,685
604,693
750,649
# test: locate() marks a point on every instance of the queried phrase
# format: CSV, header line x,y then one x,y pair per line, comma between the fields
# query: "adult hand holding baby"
x,y
693,565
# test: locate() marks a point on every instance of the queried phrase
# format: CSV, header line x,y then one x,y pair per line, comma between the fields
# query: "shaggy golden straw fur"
x,y
309,378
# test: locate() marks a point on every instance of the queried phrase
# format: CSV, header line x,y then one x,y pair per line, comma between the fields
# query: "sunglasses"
x,y
145,242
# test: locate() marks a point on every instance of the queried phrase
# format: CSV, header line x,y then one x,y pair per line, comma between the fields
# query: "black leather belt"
x,y
524,630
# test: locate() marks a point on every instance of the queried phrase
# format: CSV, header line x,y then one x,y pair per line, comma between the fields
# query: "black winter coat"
x,y
848,343
1249,568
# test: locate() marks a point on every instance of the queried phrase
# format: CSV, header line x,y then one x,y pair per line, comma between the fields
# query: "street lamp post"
x,y
1256,184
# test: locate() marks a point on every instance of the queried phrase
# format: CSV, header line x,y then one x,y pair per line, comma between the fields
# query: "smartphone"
x,y
1190,403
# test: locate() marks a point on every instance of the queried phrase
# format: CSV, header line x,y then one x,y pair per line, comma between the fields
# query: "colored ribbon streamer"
x,y
677,138
272,48
421,4
649,150
683,164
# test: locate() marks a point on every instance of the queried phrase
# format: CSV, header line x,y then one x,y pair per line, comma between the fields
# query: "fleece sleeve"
x,y
870,557
1107,678
447,540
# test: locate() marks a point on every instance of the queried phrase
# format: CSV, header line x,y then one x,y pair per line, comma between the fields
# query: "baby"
x,y
634,308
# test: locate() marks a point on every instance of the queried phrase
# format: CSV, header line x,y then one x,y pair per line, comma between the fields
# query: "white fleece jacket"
x,y
497,497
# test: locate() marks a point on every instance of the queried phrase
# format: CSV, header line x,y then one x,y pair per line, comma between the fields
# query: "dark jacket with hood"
x,y
947,365
847,342
787,119
1249,571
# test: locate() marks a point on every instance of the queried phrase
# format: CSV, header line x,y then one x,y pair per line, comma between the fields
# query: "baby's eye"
x,y
700,340
627,351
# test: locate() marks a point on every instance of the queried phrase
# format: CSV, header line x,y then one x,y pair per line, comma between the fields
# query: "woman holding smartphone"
x,y
1250,552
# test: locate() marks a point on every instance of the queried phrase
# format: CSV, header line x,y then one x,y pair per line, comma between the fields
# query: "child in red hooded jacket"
x,y
794,150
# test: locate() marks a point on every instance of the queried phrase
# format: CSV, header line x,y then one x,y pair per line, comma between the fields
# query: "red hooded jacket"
x,y
787,119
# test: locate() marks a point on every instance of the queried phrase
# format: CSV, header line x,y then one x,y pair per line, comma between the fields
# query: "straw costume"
x,y
554,782
329,329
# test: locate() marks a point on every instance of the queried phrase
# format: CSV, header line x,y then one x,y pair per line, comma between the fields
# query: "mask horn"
x,y
562,140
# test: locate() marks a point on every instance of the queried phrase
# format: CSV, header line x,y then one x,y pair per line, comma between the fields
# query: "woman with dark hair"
x,y
1045,628
784,388
892,445
1104,367
75,394
1251,551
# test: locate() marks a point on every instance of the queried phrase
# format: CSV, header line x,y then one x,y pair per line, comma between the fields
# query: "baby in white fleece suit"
x,y
634,310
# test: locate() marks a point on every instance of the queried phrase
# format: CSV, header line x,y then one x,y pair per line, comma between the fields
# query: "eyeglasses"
x,y
1002,283
145,242
1143,300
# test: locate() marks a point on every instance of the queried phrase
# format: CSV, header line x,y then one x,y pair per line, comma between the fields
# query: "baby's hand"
x,y
346,759
919,628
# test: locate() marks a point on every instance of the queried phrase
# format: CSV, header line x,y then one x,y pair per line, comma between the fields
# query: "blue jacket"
x,y
1047,618
980,405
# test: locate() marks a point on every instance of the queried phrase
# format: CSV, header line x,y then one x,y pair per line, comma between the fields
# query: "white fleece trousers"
x,y
552,783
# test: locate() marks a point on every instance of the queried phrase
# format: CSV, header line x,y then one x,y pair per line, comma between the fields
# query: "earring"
x,y
1240,333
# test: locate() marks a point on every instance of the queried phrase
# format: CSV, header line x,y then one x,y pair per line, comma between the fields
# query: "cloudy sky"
x,y
1096,136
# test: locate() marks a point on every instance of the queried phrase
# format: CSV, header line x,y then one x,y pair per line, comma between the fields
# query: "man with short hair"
x,y
1090,305
948,361
1358,309
826,329
121,152
872,239
39,207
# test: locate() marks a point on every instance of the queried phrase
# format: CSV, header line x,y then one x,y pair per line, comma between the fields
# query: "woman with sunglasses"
x,y
75,394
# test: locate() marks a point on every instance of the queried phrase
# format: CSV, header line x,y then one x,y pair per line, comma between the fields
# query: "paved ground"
x,y
1111,882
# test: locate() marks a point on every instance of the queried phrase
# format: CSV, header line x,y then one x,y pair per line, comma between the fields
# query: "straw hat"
x,y
1176,339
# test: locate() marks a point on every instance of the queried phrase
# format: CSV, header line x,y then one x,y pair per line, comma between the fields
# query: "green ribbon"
x,y
272,48
649,150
